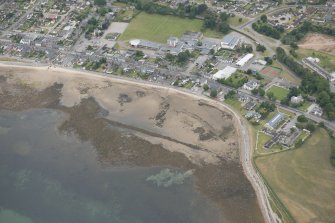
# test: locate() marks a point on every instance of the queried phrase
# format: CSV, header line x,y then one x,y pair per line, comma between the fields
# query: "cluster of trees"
x,y
16,38
100,2
182,58
260,48
258,91
265,108
94,65
232,82
297,34
311,84
267,29
262,26
230,95
245,48
218,22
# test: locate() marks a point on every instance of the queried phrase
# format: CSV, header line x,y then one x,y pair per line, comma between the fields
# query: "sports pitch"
x,y
270,72
159,28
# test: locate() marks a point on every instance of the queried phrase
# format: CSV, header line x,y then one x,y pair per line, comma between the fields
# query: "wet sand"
x,y
154,127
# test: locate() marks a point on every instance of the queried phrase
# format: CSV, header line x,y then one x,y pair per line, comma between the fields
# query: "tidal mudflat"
x,y
80,148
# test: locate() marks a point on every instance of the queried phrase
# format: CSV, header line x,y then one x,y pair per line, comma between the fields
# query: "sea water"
x,y
49,177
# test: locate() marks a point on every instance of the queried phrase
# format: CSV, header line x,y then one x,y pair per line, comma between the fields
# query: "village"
x,y
80,35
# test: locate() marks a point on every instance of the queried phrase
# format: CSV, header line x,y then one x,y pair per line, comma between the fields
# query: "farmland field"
x,y
159,28
279,92
303,179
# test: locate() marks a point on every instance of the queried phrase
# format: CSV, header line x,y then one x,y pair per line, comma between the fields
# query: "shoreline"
x,y
245,141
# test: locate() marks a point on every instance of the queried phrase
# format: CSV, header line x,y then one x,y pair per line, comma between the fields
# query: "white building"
x,y
244,60
313,59
250,85
297,99
225,73
332,76
172,41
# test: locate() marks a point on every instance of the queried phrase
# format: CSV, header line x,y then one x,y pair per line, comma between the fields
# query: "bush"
x,y
214,93
302,118
205,87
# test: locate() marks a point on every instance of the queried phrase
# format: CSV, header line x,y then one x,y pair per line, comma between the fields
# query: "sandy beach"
x,y
163,126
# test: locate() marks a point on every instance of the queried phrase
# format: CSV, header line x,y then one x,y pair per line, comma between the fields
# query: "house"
x,y
250,85
225,73
317,111
250,105
230,42
275,121
297,99
244,60
172,41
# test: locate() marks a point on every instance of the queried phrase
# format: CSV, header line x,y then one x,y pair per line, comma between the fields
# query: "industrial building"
x,y
244,60
225,73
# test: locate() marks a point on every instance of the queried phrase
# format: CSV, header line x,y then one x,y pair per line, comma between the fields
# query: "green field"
x,y
327,61
279,92
303,179
159,28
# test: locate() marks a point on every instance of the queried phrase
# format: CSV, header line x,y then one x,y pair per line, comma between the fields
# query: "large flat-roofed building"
x,y
275,121
144,44
224,73
230,42
244,60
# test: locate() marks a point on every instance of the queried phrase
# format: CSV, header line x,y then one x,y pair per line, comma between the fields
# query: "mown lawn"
x,y
159,28
303,179
279,92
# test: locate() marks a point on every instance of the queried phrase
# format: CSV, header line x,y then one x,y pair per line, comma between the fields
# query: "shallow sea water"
x,y
48,177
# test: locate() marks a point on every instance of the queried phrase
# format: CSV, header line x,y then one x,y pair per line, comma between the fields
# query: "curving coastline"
x,y
244,131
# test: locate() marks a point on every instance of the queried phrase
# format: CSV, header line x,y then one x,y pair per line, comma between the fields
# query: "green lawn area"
x,y
159,28
303,179
279,92
234,21
327,61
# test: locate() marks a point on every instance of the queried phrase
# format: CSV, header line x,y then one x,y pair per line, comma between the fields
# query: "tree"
x,y
302,118
100,2
214,93
254,91
260,48
205,87
264,18
224,27
261,91
310,127
271,96
240,20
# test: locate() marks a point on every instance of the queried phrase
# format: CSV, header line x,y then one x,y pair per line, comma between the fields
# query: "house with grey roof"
x,y
275,121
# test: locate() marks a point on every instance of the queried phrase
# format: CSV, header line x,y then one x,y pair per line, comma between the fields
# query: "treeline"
x,y
311,84
299,33
183,10
212,20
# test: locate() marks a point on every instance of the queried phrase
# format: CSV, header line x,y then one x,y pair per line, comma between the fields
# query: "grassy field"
x,y
327,61
234,21
279,93
159,28
303,179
